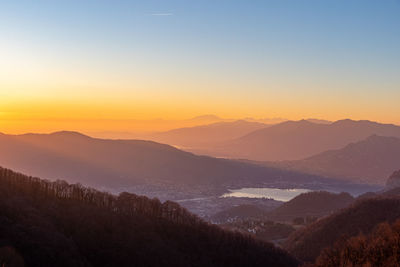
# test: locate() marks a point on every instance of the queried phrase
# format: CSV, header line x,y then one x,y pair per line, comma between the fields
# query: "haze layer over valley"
x,y
153,169
198,182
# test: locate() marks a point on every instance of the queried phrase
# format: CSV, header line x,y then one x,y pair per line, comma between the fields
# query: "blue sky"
x,y
250,54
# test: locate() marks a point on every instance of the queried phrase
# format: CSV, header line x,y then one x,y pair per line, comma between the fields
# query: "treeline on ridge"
x,y
45,223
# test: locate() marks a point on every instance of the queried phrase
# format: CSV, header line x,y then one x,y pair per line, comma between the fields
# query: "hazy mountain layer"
x,y
123,163
369,161
294,140
200,137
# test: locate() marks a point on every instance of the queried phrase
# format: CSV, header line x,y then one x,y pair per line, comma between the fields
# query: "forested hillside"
x,y
361,217
46,223
379,248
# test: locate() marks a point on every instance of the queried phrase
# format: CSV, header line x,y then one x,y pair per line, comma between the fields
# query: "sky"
x,y
123,60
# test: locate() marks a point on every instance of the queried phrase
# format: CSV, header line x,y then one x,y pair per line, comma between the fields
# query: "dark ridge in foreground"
x,y
46,223
361,217
379,248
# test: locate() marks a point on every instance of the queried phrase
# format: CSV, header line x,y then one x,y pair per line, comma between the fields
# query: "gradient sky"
x,y
92,59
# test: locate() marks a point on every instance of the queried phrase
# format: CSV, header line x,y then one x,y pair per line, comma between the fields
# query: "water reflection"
x,y
274,193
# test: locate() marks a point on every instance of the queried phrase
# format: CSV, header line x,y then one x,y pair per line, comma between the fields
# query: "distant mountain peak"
x,y
305,121
69,133
344,121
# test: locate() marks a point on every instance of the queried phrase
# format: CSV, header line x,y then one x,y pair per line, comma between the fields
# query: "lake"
x,y
274,193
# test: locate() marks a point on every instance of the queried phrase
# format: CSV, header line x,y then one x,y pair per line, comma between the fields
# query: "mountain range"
x,y
122,163
294,140
206,135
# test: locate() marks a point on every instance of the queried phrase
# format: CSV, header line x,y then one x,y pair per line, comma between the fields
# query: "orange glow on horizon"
x,y
140,115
